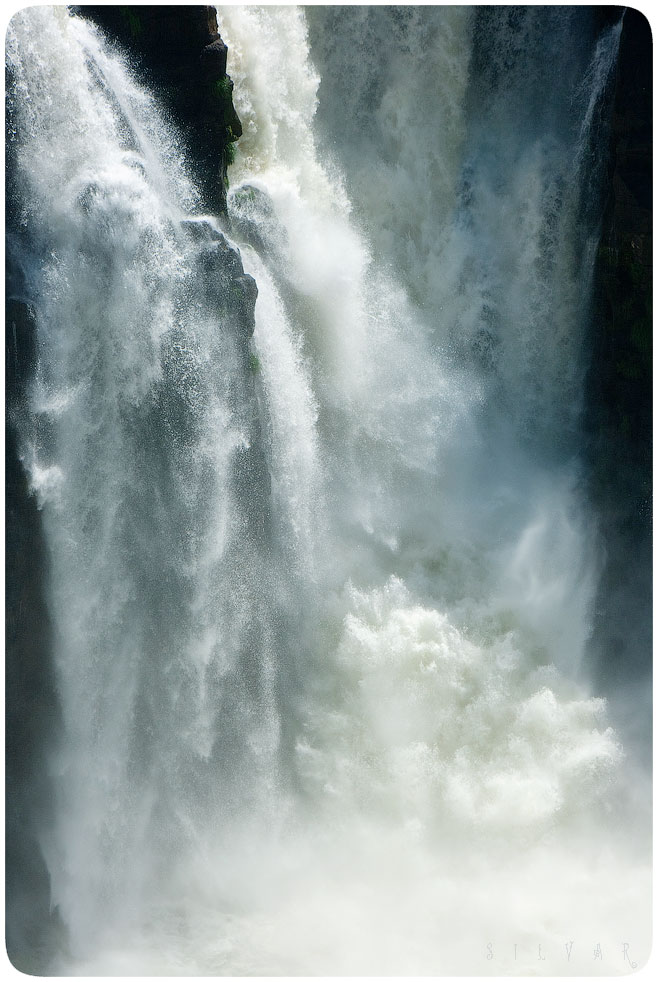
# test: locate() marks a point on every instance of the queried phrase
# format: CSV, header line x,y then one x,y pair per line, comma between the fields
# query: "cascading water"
x,y
321,597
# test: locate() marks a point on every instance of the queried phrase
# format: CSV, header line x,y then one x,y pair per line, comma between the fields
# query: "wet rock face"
x,y
181,56
213,60
251,213
32,715
230,294
620,378
619,391
233,291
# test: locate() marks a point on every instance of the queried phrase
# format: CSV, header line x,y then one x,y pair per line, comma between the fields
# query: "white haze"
x,y
369,746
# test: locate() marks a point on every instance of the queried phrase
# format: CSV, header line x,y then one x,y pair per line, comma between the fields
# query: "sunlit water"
x,y
322,597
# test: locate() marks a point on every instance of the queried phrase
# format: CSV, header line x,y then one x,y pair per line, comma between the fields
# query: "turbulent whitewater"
x,y
321,595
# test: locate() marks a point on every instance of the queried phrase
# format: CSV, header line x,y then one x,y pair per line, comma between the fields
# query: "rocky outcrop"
x,y
178,51
253,217
234,291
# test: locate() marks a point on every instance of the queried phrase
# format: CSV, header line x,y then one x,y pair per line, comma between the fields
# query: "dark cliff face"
x,y
31,707
620,381
31,710
178,52
619,395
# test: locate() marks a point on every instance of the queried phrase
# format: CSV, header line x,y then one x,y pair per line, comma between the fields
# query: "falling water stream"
x,y
321,597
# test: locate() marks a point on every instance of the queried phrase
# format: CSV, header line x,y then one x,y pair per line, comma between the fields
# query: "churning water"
x,y
321,597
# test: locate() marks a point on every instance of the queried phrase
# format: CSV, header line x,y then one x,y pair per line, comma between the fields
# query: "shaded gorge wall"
x,y
618,417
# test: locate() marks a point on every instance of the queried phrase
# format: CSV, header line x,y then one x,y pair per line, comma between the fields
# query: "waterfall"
x,y
321,585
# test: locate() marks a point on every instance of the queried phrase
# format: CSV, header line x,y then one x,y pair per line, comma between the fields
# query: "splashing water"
x,y
322,597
